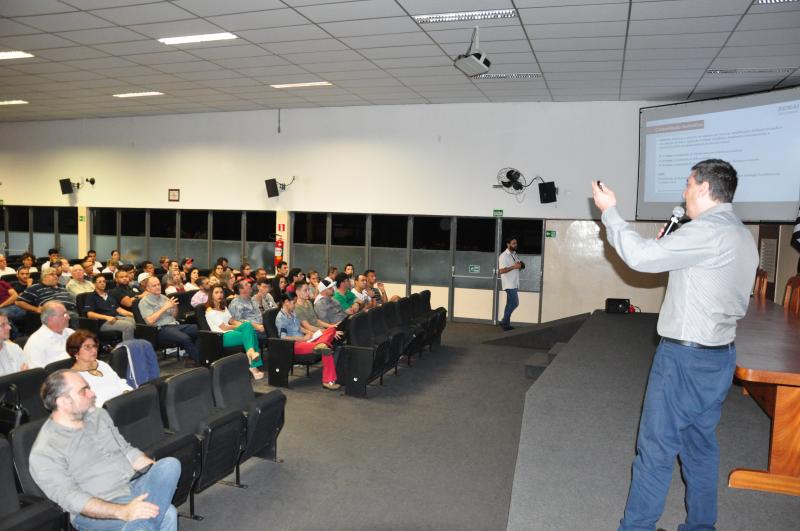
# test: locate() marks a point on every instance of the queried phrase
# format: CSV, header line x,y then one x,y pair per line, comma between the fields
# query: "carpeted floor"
x,y
434,448
578,439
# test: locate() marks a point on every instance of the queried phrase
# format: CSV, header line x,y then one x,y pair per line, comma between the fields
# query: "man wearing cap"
x,y
328,309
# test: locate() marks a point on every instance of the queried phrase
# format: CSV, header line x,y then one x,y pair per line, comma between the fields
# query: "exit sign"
x,y
549,234
498,212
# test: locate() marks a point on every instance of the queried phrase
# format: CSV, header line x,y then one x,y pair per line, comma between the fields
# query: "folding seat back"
x,y
28,384
378,324
23,512
66,363
22,439
269,322
186,312
230,381
280,358
189,408
441,313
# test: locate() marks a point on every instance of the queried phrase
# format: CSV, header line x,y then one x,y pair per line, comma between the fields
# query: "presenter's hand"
x,y
604,198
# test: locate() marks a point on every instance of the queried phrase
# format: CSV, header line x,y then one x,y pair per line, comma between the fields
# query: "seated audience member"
x,y
326,308
98,265
28,261
102,380
350,271
289,328
55,258
89,268
244,309
346,298
191,280
173,267
84,465
148,270
227,282
159,310
65,274
378,291
174,283
186,266
9,308
261,274
116,256
304,310
218,271
363,295
278,286
48,343
103,306
4,269
48,289
235,333
23,281
295,274
124,293
12,358
201,297
282,268
111,267
79,284
163,266
263,298
332,272
246,273
313,281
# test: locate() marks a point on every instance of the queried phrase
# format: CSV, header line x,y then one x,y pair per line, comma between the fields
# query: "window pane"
x,y
430,268
389,264
261,254
431,233
341,255
132,249
528,233
67,220
162,247
162,225
309,228
260,226
306,256
104,221
232,250
348,229
69,245
197,249
18,218
475,234
389,231
43,219
227,225
194,224
104,245
530,278
133,223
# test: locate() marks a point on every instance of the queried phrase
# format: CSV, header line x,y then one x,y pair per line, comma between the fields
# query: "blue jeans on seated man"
x,y
159,483
182,335
682,407
512,301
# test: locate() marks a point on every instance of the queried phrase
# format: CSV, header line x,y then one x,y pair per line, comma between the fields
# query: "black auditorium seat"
x,y
441,314
381,332
413,336
22,439
230,381
27,384
23,512
66,363
137,416
366,357
210,343
280,355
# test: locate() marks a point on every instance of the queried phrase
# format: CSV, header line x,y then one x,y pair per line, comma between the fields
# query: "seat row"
x,y
208,419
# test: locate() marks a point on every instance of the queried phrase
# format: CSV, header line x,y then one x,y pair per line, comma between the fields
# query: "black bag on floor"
x,y
12,413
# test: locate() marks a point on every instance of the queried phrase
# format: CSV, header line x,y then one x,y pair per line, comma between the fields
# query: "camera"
x,y
521,264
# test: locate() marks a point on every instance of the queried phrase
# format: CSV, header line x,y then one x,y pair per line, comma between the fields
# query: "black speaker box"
x,y
547,192
66,186
272,187
618,305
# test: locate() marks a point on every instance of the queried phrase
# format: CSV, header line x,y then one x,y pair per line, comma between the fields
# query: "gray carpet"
x,y
434,448
578,439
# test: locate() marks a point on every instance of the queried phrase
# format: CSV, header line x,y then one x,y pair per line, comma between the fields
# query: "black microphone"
x,y
672,224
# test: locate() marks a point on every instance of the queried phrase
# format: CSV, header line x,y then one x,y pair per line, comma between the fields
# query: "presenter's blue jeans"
x,y
512,301
682,407
159,483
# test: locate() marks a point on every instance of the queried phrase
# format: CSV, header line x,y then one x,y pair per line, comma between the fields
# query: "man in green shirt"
x,y
346,298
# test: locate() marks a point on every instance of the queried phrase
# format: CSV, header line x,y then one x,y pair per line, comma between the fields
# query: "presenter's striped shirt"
x,y
711,263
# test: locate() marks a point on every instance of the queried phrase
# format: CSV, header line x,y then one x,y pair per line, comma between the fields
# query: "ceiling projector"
x,y
474,62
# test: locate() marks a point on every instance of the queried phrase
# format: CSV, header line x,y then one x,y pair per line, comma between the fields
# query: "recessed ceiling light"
x,y
309,84
198,38
13,102
463,16
718,71
138,94
15,55
774,1
520,75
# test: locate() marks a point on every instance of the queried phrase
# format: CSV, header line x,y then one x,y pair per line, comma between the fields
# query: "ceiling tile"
x,y
760,51
100,62
677,26
71,53
252,62
677,41
259,19
581,43
674,64
583,29
143,14
176,28
687,8
191,66
19,8
227,52
314,45
387,41
583,66
261,71
320,57
287,34
421,7
404,51
34,42
671,53
777,61
9,27
43,68
209,8
572,14
77,75
134,47
64,22
581,55
378,26
486,34
102,36
404,62
176,56
128,71
758,37
369,73
341,66
355,10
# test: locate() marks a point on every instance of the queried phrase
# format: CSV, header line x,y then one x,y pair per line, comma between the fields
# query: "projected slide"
x,y
762,143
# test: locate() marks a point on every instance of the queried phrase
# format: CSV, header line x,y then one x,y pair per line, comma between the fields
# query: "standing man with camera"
x,y
509,278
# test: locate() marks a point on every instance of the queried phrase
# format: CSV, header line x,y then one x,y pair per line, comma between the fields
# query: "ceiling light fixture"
x,y
298,85
520,75
722,71
464,16
13,102
188,39
138,94
15,55
774,1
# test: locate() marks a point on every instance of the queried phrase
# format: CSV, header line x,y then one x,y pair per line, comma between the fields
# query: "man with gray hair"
x,y
79,284
4,269
49,342
82,463
48,289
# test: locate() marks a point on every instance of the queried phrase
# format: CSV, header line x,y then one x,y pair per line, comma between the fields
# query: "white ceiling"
x,y
374,53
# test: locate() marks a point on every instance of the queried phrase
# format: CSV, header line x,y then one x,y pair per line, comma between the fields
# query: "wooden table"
x,y
768,365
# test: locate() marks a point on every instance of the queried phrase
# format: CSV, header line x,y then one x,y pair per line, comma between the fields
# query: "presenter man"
x,y
711,262
509,266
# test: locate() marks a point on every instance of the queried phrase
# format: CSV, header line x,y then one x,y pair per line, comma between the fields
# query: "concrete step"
x,y
536,364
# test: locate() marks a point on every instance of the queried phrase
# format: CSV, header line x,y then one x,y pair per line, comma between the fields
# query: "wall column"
x,y
83,231
282,229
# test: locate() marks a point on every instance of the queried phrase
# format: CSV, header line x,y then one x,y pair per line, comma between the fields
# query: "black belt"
x,y
696,345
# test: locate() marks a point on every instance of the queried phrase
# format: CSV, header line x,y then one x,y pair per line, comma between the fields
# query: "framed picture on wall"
x,y
174,194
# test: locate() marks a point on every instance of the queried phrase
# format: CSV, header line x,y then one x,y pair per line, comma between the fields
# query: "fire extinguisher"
x,y
278,251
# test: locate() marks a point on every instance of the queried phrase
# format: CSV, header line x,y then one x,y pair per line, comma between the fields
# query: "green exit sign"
x,y
549,234
498,212
81,218
474,268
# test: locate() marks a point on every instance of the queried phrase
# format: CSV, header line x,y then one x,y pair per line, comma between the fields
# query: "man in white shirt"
x,y
4,269
11,357
49,342
509,266
362,293
79,284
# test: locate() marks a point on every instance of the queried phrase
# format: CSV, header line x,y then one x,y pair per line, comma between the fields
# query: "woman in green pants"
x,y
234,333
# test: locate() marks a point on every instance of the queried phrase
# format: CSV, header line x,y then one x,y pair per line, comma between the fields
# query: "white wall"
x,y
418,159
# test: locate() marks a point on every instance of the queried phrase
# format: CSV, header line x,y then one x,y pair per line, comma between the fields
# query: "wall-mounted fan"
x,y
512,181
